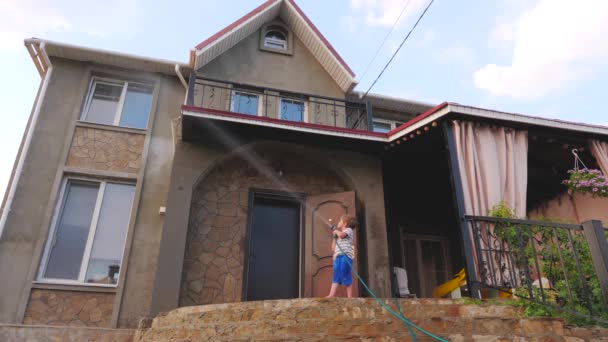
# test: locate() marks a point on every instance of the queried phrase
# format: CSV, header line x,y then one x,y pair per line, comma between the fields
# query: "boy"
x,y
344,253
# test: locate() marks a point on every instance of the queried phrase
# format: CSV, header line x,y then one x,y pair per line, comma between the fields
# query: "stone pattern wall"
x,y
213,264
101,149
20,333
55,307
358,319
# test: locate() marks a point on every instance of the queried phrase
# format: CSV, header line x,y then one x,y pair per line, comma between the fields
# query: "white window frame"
x,y
304,115
90,238
385,121
239,91
118,113
281,42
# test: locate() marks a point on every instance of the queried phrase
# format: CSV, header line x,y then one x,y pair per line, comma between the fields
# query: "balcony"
x,y
279,106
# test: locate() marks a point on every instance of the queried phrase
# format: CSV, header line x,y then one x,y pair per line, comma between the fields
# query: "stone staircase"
x,y
359,319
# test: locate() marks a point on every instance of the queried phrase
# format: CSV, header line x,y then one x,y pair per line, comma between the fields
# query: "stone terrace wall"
x,y
100,149
213,264
55,307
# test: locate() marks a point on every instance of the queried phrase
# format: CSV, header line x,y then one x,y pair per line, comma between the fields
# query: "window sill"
x,y
87,124
74,287
287,52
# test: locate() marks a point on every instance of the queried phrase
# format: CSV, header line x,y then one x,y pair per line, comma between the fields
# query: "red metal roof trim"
x,y
263,7
418,118
323,39
234,24
283,122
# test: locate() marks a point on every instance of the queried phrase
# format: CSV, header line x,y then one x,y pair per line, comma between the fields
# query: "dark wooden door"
x,y
273,265
318,258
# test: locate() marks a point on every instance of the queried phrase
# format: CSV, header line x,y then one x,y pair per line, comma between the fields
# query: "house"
x,y
143,185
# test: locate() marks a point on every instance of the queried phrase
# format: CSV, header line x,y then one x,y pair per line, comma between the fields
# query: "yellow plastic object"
x,y
450,285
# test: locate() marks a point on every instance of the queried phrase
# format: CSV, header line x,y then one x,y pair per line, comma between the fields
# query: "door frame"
x,y
293,197
443,240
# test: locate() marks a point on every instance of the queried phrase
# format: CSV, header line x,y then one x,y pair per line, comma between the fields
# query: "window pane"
x,y
102,108
382,127
109,240
245,103
72,231
292,110
136,108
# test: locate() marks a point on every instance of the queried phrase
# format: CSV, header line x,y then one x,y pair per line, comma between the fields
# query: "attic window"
x,y
275,38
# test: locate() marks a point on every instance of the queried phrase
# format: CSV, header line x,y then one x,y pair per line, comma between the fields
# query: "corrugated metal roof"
x,y
302,27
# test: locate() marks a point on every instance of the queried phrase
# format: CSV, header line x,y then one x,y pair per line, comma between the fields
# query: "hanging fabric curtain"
x,y
599,150
493,164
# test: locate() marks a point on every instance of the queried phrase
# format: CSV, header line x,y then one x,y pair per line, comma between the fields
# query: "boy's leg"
x,y
332,291
349,291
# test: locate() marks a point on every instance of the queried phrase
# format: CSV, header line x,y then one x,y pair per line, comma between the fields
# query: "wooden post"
x,y
598,246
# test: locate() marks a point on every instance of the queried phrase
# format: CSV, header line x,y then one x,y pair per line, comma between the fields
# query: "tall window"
x,y
87,237
292,110
275,39
118,103
244,103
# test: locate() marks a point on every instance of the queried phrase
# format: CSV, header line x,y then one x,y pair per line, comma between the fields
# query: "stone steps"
x,y
355,320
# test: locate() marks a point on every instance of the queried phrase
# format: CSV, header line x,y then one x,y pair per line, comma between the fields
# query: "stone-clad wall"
x,y
214,258
101,149
57,307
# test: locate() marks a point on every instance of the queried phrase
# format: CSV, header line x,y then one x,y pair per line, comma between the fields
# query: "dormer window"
x,y
275,38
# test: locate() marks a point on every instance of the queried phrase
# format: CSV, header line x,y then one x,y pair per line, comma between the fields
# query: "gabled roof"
x,y
298,22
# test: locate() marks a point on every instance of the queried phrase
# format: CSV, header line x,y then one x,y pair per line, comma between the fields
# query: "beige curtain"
x,y
600,153
493,164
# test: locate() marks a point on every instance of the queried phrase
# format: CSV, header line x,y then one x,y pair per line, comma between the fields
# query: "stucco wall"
x,y
245,63
214,259
100,151
54,307
361,172
141,265
24,224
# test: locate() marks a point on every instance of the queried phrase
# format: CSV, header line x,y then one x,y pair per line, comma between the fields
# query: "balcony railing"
x,y
555,265
278,104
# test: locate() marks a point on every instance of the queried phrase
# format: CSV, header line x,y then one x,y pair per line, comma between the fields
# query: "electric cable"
x,y
399,48
406,2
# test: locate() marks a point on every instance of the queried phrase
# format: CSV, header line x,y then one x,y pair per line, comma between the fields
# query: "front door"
x,y
318,258
273,264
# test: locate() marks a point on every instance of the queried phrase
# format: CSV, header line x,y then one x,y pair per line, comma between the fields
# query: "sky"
x,y
536,57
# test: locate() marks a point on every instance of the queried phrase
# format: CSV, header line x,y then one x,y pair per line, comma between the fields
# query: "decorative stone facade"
x,y
56,307
42,333
102,149
214,258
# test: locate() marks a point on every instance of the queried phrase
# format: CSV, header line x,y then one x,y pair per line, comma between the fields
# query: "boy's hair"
x,y
351,221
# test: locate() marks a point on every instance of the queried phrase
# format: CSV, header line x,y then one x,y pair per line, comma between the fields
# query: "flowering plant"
x,y
587,181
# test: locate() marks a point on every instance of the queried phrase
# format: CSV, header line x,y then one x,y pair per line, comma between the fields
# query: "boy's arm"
x,y
340,234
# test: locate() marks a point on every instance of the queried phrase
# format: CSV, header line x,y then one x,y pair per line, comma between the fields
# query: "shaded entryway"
x,y
214,260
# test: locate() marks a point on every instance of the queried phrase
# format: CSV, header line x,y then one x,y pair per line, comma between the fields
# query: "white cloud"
x,y
21,19
456,54
384,12
554,43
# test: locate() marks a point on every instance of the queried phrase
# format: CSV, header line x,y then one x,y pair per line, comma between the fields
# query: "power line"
x,y
406,3
399,48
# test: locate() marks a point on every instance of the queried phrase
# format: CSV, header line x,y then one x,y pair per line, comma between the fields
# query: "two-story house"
x,y
143,185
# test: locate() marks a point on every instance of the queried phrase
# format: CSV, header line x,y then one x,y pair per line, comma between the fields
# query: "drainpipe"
x,y
43,64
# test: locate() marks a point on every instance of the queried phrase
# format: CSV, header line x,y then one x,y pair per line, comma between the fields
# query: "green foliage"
x,y
572,286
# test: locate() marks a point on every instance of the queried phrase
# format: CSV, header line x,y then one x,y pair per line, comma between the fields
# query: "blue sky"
x,y
536,57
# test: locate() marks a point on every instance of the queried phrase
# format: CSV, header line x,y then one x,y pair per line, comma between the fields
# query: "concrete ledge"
x,y
20,332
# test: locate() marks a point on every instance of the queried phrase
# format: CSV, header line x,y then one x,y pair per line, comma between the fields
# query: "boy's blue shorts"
x,y
342,274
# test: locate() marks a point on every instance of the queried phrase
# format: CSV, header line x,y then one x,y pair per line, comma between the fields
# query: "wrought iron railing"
x,y
278,104
548,263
